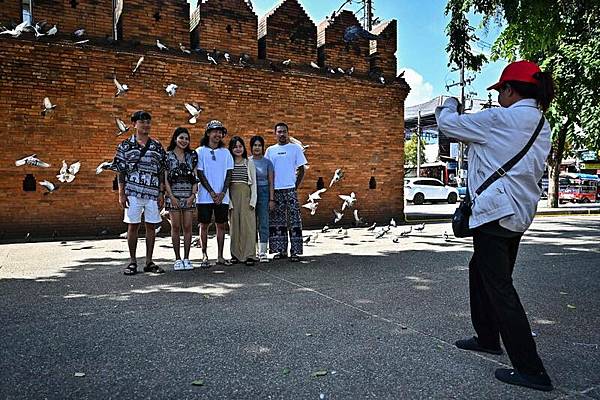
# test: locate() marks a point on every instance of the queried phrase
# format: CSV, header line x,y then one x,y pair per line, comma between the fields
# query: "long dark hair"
x,y
259,139
204,141
543,92
178,131
232,144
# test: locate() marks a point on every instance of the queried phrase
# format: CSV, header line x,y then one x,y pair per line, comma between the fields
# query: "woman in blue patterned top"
x,y
181,184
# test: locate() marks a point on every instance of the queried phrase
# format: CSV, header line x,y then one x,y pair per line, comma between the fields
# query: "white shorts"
x,y
137,207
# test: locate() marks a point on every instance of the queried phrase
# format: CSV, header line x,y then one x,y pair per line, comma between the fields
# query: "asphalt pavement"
x,y
358,318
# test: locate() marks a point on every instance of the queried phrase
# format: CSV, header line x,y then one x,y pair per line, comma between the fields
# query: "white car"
x,y
419,190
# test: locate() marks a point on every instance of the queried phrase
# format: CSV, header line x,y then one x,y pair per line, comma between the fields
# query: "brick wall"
x,y
10,11
145,21
349,122
228,25
385,48
288,32
94,16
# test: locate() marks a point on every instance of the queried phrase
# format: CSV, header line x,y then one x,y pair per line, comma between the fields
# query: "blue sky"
x,y
421,44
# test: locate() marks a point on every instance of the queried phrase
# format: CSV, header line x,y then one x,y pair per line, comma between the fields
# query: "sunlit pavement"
x,y
358,318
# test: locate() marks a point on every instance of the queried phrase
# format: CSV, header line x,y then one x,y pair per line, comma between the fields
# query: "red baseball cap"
x,y
521,71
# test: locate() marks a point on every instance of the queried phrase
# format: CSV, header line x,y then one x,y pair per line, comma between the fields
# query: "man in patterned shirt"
x,y
140,164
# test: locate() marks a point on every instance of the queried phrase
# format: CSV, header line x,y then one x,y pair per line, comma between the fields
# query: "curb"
x,y
543,213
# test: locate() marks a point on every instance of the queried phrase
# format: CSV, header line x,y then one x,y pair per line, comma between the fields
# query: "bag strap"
x,y
142,153
500,172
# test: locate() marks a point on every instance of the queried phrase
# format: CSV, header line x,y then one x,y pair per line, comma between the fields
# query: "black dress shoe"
x,y
473,345
512,376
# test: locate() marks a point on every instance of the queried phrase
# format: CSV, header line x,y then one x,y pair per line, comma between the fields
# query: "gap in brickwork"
x,y
115,184
320,183
29,183
372,183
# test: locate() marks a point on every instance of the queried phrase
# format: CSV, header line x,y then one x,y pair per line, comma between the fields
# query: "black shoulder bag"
x,y
460,219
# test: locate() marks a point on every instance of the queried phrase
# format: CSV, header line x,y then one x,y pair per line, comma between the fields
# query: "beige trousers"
x,y
242,223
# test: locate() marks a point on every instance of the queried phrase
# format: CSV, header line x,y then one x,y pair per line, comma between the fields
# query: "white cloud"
x,y
420,91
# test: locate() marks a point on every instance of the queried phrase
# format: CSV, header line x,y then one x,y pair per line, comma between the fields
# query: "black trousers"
x,y
496,310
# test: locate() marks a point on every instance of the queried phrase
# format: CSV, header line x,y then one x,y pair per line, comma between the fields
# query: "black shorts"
x,y
205,213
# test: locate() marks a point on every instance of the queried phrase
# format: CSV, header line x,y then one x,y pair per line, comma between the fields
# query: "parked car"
x,y
419,190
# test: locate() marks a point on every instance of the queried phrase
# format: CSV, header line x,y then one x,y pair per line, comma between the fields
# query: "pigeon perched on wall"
x,y
227,57
183,49
312,206
287,62
210,58
382,80
356,32
349,200
171,89
122,128
161,46
341,71
351,70
244,60
337,175
50,187
79,32
48,106
17,31
121,89
194,111
67,173
137,66
52,31
33,161
314,65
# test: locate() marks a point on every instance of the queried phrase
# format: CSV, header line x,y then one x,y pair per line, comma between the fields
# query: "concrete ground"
x,y
358,318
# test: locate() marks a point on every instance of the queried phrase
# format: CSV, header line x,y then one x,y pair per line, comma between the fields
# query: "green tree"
x,y
563,37
410,151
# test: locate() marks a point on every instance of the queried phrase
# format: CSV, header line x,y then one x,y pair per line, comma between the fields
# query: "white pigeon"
x,y
357,220
48,106
194,111
211,58
161,46
338,216
420,227
299,143
31,160
82,41
314,65
67,174
406,231
50,187
120,88
312,206
351,70
227,57
341,71
316,195
392,223
287,62
17,31
52,31
349,200
171,89
79,32
325,229
337,175
103,166
382,80
332,71
122,128
137,66
381,233
183,49
37,29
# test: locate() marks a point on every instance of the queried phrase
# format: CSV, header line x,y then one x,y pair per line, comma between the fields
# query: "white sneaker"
x,y
187,264
263,258
178,266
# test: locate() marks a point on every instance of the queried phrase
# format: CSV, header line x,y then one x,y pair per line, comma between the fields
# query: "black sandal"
x,y
249,262
234,260
131,269
280,256
294,258
155,269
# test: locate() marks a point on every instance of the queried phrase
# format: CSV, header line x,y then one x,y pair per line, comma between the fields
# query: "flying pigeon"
x,y
355,32
120,88
194,111
337,175
171,89
160,45
52,31
79,32
103,166
299,143
183,49
325,229
420,227
227,57
137,66
210,58
314,65
312,206
349,200
31,160
68,174
316,195
338,216
287,62
392,223
372,227
50,187
48,106
121,126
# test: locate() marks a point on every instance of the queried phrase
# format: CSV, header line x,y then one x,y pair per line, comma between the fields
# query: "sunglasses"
x,y
212,153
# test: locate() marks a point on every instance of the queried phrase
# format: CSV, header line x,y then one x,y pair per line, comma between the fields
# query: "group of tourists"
x,y
252,190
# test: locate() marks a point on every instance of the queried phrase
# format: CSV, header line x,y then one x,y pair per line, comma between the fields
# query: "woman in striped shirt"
x,y
242,193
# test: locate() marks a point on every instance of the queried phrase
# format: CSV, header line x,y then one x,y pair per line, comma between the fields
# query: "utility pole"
x,y
368,14
419,144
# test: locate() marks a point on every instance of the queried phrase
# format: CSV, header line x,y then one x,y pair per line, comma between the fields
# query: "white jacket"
x,y
251,182
495,136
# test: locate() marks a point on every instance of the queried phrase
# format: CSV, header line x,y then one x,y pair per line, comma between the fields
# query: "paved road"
x,y
378,317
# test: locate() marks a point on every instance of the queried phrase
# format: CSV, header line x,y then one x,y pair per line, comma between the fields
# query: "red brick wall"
x,y
385,48
289,32
10,11
139,20
94,16
350,123
228,25
330,39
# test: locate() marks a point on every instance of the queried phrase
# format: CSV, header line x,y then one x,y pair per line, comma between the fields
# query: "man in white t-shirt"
x,y
288,166
215,166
